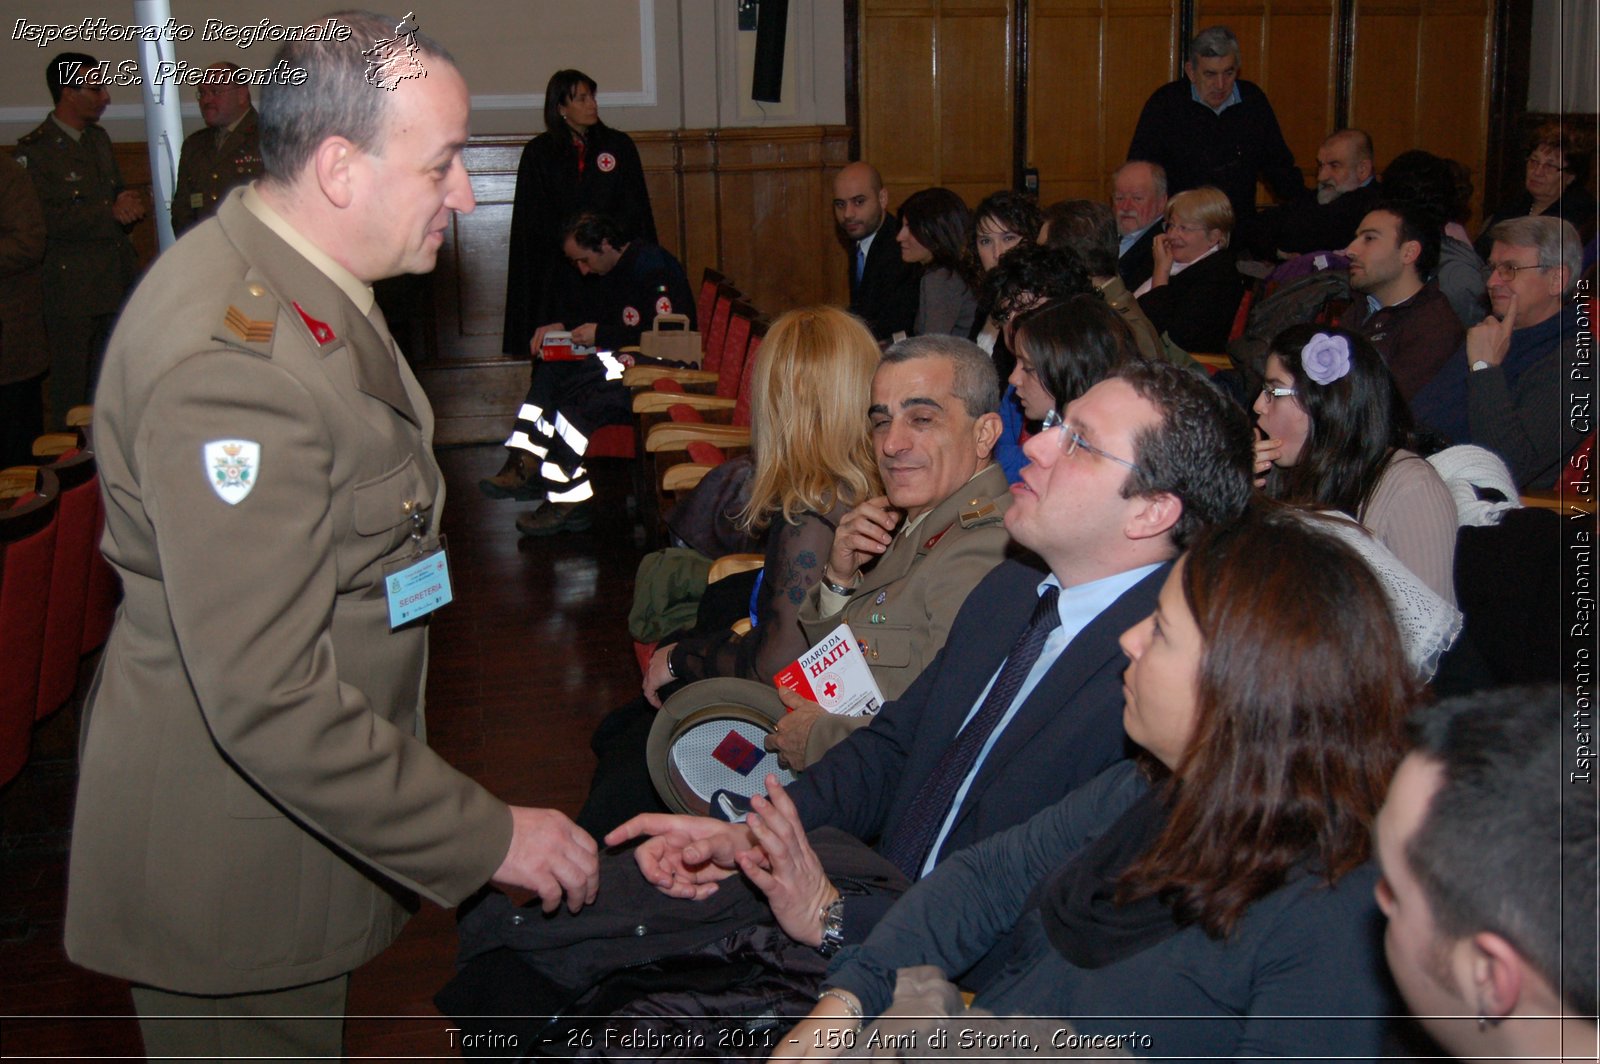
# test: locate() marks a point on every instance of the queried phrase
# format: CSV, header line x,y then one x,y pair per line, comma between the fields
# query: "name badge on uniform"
x,y
418,583
197,200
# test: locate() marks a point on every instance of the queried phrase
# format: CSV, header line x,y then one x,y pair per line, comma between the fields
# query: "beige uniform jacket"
x,y
89,261
905,603
208,170
256,804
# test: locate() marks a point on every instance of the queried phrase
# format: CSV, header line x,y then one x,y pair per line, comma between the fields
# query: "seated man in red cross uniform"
x,y
617,286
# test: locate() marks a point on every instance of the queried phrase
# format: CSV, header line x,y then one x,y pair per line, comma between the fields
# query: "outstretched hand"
x,y
683,856
787,869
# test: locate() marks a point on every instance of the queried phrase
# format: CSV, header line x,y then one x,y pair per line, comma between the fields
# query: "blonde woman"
x,y
812,448
1195,290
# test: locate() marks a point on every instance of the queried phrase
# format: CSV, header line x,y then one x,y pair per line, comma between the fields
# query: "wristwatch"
x,y
1480,364
832,928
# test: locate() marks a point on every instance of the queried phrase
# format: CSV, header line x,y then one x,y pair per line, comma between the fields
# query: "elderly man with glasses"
x,y
227,152
1507,387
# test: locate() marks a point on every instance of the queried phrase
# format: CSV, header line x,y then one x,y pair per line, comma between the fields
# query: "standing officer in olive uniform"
x,y
257,808
89,261
902,565
227,152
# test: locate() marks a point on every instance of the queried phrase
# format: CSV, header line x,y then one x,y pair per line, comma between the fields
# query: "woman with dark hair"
x,y
1065,348
1334,432
1216,893
1004,220
577,164
933,228
1429,182
1555,182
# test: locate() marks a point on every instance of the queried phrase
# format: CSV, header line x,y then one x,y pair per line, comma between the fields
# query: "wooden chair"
x,y
710,281
28,532
665,406
703,455
714,335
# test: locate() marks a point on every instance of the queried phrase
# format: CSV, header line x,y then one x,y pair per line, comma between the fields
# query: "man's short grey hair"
x,y
1554,239
1158,174
1215,42
335,100
976,384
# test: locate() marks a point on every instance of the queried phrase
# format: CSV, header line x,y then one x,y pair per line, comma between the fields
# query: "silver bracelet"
x,y
828,583
850,1006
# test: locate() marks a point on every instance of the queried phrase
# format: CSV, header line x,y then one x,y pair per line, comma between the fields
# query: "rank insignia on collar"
x,y
232,468
247,328
320,330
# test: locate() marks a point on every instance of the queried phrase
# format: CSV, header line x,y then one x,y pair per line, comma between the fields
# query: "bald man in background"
x,y
884,288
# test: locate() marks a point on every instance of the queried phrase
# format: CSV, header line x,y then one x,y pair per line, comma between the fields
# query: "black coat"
x,y
1306,225
549,191
1136,264
1198,147
890,288
1196,308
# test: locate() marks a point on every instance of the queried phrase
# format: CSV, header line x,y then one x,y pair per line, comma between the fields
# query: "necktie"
x,y
908,846
861,262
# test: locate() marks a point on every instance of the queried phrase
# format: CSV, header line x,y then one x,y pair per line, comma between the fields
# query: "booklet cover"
x,y
834,674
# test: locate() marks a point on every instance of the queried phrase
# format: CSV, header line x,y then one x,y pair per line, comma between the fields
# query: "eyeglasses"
x,y
1070,442
1545,166
1507,271
1269,392
1186,228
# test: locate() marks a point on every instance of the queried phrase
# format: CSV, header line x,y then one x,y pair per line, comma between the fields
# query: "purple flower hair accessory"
x,y
1326,358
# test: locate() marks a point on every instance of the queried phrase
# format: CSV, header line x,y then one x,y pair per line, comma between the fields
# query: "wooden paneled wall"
x,y
1414,73
936,94
1092,64
1421,79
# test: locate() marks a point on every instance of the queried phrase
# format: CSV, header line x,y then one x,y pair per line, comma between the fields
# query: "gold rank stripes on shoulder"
x,y
247,328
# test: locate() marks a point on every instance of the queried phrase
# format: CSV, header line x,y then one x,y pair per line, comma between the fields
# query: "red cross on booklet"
x,y
834,674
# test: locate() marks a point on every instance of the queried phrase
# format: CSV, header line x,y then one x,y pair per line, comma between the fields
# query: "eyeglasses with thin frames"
x,y
1269,392
1546,166
1507,271
1069,442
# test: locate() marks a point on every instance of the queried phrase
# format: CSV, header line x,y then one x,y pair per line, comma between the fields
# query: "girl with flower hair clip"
x,y
1333,432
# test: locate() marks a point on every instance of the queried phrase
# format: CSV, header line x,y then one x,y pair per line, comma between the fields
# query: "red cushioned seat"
x,y
76,549
27,562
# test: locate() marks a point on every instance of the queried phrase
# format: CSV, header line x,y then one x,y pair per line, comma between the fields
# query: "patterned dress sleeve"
x,y
796,554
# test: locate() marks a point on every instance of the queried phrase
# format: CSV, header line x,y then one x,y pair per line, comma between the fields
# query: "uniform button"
x,y
640,931
518,920
257,290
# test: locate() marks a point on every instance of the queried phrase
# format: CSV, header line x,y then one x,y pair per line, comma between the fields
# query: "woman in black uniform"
x,y
579,163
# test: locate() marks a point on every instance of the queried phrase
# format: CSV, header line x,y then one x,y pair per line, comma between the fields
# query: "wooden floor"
x,y
531,654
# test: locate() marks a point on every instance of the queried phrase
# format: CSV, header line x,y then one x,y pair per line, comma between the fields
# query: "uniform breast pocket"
x,y
385,503
888,646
